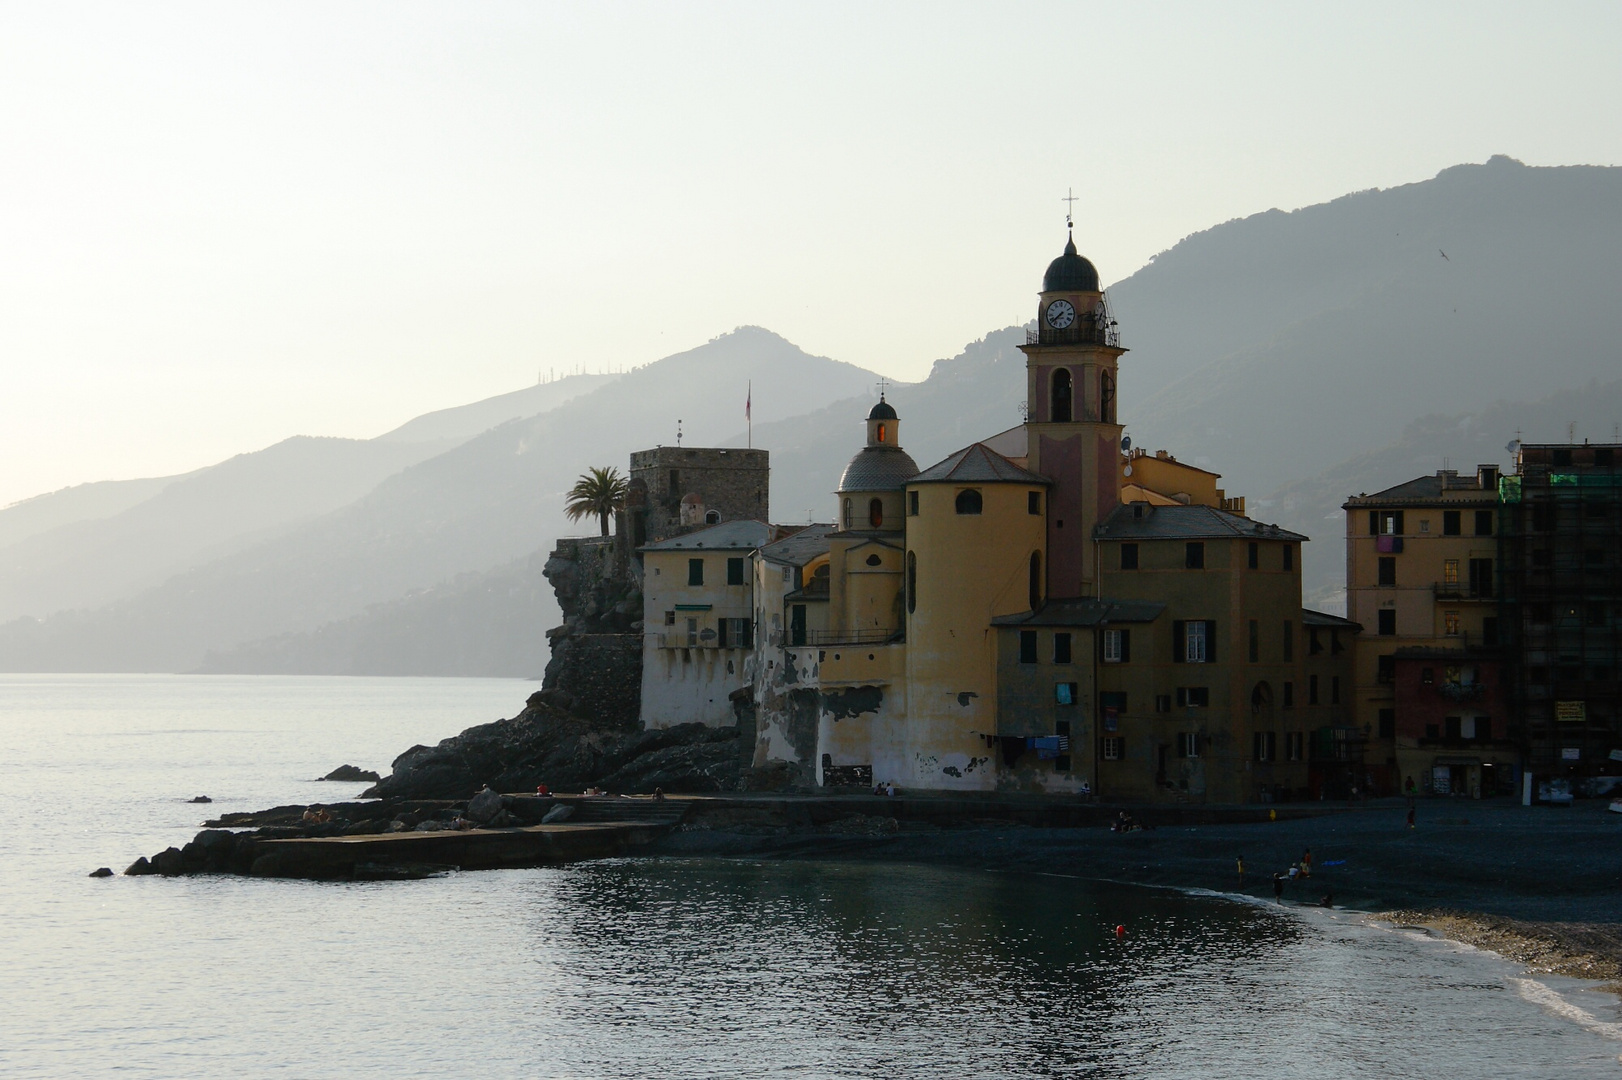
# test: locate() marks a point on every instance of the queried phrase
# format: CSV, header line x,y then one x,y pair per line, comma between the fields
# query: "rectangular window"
x,y
1064,694
1255,641
1264,745
1129,556
1194,555
1483,729
1255,555
1481,577
695,571
670,618
1450,623
1489,630
1117,646
1334,689
1387,619
1027,646
1452,522
1295,745
1162,703
1385,522
1289,695
740,633
1385,669
1188,744
1196,641
1289,642
1193,697
1453,731
1111,748
1033,502
692,633
912,504
1061,648
1289,556
1483,522
1312,689
1314,646
1388,570
1388,723
734,571
1450,572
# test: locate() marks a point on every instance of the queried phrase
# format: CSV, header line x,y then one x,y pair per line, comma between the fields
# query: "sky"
x,y
224,224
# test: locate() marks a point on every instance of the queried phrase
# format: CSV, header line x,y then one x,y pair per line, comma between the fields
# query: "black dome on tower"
x,y
1070,272
882,411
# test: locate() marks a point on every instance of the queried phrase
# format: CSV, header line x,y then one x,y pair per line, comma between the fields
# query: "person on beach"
x,y
1410,817
1328,900
1306,863
1278,887
1241,862
1295,871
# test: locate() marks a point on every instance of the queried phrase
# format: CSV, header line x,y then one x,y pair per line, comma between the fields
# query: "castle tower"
x,y
1071,434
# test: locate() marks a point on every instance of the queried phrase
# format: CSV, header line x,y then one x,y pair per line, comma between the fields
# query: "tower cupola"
x,y
883,425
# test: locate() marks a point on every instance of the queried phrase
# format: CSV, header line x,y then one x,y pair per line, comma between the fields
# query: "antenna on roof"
x,y
1571,431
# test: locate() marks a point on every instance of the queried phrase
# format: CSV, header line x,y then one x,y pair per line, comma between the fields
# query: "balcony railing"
x,y
850,637
1081,332
1462,591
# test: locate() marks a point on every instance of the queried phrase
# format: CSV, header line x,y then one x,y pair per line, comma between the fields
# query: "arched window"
x,y
1061,410
912,582
875,513
849,518
712,517
1036,580
884,431
968,501
1106,398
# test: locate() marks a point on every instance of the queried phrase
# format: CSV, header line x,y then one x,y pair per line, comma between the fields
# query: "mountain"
x,y
193,519
465,421
81,502
1460,441
492,499
1275,346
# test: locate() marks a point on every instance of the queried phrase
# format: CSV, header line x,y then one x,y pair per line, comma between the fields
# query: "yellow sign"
x,y
1571,712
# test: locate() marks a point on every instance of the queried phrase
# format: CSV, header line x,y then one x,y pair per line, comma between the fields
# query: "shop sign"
x,y
1571,712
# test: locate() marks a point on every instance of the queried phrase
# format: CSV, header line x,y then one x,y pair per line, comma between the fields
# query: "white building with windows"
x,y
698,623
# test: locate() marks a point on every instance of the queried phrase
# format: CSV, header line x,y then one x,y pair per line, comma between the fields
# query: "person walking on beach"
x,y
1241,862
1306,863
1410,817
1278,887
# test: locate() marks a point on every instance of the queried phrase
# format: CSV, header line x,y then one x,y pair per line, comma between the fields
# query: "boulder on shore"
x,y
545,744
351,774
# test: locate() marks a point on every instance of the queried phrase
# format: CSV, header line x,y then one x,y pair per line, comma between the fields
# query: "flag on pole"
x,y
748,417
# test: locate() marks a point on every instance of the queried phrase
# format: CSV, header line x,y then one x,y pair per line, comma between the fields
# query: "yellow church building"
x,y
1045,611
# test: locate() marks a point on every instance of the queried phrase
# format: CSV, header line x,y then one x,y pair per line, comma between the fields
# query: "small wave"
x,y
1546,997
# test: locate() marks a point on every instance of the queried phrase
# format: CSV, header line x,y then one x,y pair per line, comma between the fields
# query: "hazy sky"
x,y
222,224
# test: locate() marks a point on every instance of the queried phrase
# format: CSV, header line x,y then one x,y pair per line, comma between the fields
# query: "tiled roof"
x,y
1143,522
878,468
1423,489
1323,618
727,536
1085,612
801,548
977,464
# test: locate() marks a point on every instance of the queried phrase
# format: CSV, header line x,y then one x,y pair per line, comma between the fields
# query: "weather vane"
x,y
1069,210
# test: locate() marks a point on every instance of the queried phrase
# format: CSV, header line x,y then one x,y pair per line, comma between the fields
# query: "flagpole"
x,y
749,412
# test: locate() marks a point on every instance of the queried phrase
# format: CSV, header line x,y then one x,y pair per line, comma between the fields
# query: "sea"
x,y
647,967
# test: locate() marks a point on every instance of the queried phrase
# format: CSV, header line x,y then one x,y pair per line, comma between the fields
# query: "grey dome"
x,y
878,468
882,411
1070,273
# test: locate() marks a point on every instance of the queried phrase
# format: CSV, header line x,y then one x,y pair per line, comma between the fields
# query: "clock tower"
x,y
1071,434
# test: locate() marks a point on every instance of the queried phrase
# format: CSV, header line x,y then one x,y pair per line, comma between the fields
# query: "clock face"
x,y
1060,314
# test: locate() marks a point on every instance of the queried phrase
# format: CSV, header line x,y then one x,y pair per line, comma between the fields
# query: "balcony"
x,y
825,638
1083,331
1463,593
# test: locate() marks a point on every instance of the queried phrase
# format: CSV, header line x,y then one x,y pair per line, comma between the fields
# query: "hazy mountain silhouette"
x,y
81,502
465,421
1301,354
490,500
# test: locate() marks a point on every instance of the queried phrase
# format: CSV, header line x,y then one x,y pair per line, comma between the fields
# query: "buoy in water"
x,y
1120,931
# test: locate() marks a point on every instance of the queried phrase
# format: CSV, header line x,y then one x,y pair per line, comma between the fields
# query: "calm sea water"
x,y
639,968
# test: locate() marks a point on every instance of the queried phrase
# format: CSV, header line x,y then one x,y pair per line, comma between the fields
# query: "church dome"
x,y
882,411
1070,273
878,468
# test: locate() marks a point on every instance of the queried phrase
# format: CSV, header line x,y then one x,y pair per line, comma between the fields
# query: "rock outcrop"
x,y
351,774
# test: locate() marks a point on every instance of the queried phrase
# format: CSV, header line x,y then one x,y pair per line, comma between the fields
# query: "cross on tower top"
x,y
882,384
1070,205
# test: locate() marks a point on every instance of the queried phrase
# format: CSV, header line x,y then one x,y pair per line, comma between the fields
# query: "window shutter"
x,y
1126,645
1210,641
1179,641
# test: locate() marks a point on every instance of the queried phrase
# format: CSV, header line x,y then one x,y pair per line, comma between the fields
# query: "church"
x,y
1044,611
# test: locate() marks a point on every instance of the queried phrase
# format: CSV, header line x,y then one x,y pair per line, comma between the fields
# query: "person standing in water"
x,y
1241,862
1306,863
1278,888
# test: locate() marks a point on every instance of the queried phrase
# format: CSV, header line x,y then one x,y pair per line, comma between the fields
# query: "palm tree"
x,y
598,491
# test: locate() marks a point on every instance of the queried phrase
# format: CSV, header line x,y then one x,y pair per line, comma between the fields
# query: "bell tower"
x,y
1071,433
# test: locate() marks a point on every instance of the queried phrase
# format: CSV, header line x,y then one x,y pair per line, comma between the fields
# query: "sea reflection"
x,y
852,968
